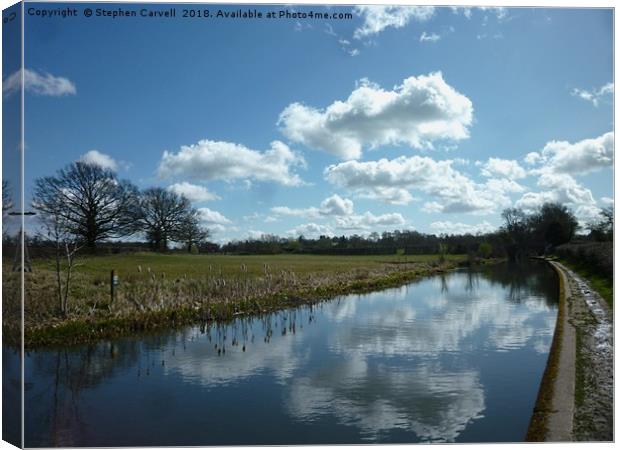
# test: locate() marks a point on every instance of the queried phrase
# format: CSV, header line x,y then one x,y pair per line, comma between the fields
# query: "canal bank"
x,y
575,400
453,357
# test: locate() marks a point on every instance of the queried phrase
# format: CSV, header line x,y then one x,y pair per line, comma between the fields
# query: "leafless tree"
x,y
162,215
191,232
92,203
66,247
7,203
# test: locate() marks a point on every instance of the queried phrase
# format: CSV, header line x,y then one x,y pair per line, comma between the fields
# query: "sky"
x,y
409,118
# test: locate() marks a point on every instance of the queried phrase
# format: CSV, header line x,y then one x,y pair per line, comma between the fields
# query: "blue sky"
x,y
399,118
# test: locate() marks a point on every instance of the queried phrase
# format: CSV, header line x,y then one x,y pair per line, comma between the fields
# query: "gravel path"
x,y
593,322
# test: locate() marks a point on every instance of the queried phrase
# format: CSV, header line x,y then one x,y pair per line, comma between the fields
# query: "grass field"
x,y
178,265
158,290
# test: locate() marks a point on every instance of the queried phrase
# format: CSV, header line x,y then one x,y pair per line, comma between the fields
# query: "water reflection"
x,y
422,362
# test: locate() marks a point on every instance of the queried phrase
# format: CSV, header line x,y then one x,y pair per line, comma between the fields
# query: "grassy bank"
x,y
165,291
601,284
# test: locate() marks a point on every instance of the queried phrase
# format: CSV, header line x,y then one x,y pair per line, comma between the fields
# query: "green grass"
x,y
603,285
178,265
168,290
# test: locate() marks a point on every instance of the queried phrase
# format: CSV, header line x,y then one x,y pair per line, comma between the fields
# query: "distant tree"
x,y
485,249
554,224
190,231
162,216
6,196
93,203
516,233
603,229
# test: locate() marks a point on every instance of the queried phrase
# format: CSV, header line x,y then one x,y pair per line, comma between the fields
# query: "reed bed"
x,y
150,299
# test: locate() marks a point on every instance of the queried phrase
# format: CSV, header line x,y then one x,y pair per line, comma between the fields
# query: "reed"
x,y
154,299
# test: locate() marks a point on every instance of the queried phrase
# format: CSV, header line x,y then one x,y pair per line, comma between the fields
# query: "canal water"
x,y
449,358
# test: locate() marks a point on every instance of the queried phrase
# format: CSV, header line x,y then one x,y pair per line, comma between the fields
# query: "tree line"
x,y
89,204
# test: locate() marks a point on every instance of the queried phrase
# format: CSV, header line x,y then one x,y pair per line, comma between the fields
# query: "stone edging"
x,y
552,418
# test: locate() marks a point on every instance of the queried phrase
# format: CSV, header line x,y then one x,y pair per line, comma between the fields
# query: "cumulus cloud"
x,y
557,164
193,192
311,230
210,217
38,83
331,206
97,158
379,17
578,158
561,188
503,185
216,160
342,211
336,206
308,213
368,220
391,181
418,112
448,227
595,95
533,158
506,168
432,37
566,188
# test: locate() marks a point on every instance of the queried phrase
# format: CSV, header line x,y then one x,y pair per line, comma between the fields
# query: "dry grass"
x,y
168,290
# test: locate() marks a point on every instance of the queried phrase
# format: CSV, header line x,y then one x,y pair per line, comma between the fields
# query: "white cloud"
x,y
465,10
336,206
500,12
97,158
448,227
581,157
391,181
368,220
379,17
595,95
254,235
533,158
193,192
331,206
421,110
342,211
38,83
433,37
506,168
311,230
503,185
210,217
607,201
217,160
566,189
561,188
308,213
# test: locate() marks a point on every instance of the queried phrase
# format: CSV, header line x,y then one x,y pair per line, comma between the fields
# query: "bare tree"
x,y
190,231
91,201
7,203
162,215
66,247
515,233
